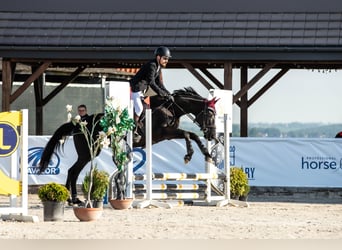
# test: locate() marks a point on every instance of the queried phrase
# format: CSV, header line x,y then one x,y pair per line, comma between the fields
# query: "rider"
x,y
149,76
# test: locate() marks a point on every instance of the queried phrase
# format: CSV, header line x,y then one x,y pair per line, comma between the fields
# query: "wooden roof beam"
x,y
253,81
197,75
268,85
60,87
211,77
40,70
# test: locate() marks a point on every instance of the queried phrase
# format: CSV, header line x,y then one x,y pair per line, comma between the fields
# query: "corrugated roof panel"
x,y
264,24
228,32
320,41
191,29
332,40
274,41
321,33
323,25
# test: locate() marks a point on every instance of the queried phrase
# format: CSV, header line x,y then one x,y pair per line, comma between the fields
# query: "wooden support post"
x,y
244,104
6,84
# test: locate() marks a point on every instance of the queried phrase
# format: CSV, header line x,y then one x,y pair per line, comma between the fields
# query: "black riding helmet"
x,y
162,51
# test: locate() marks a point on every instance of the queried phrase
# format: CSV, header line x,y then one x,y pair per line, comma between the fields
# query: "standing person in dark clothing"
x,y
82,111
149,76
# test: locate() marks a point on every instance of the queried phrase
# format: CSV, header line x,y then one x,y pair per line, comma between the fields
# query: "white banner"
x,y
267,161
289,162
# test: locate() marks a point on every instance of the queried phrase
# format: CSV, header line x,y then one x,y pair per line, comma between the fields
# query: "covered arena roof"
x,y
208,31
206,34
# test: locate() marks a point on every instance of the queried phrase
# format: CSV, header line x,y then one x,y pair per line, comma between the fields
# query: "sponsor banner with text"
x,y
267,161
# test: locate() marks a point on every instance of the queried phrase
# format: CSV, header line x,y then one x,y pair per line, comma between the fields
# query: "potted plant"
x,y
238,183
119,121
245,193
99,187
53,197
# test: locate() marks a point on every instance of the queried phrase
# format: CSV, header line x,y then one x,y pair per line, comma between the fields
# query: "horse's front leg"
x,y
189,149
201,146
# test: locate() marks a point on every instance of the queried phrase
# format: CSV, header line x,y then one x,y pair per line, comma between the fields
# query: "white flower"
x,y
69,117
110,130
83,123
105,142
117,120
102,135
77,118
108,101
69,108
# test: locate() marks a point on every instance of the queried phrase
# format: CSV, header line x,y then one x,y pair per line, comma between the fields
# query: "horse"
x,y
186,101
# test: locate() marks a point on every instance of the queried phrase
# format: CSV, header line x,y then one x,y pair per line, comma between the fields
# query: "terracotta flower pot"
x,y
87,213
121,204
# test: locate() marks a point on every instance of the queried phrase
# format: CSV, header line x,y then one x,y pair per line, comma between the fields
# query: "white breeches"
x,y
138,106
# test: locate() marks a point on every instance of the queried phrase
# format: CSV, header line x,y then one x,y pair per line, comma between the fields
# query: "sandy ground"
x,y
261,220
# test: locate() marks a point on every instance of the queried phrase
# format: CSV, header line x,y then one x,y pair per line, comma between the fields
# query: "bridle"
x,y
206,121
206,124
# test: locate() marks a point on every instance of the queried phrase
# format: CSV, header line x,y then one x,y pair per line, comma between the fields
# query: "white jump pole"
x,y
148,147
228,200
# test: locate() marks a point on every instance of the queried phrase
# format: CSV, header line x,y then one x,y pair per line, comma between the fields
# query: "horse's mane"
x,y
187,91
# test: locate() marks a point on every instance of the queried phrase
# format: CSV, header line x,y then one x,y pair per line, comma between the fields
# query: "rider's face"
x,y
163,60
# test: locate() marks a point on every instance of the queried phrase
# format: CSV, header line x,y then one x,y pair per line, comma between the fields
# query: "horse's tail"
x,y
54,143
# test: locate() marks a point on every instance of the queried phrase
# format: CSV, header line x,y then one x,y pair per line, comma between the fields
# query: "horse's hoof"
x,y
209,160
187,159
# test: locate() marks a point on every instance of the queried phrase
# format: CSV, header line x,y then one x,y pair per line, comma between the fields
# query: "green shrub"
x,y
238,182
53,192
100,184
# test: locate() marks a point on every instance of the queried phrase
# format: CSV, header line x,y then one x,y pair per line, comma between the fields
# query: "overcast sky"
x,y
299,96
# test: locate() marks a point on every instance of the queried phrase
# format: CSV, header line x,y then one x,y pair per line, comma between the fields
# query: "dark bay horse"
x,y
186,101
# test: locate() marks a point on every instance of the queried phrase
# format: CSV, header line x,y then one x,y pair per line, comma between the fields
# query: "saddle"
x,y
162,116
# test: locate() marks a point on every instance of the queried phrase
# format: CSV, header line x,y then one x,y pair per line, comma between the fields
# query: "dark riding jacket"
x,y
149,76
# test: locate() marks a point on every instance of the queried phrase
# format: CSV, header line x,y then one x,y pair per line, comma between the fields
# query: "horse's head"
x,y
206,119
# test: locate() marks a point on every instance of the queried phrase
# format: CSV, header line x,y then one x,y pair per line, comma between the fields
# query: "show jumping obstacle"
x,y
174,194
189,186
16,184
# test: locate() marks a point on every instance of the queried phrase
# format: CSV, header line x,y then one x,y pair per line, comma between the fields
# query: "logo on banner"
x,y
9,139
139,158
217,153
321,163
34,155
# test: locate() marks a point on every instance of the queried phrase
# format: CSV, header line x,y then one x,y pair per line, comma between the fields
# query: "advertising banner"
x,y
267,161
